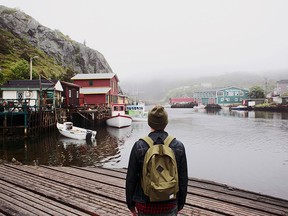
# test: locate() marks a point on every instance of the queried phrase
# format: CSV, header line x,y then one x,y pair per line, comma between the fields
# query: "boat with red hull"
x,y
118,117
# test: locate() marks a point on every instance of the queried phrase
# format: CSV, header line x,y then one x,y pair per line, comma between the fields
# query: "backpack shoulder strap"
x,y
168,140
148,140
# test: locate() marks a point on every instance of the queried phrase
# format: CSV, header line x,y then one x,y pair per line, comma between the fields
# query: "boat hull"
x,y
75,132
119,121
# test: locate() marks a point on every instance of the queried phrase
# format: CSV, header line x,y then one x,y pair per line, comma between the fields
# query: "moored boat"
x,y
240,107
212,107
137,111
199,106
68,130
118,117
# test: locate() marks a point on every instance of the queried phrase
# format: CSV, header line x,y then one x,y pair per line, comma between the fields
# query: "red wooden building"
x,y
70,95
97,89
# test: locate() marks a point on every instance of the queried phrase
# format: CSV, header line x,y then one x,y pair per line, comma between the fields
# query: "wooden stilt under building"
x,y
43,190
27,123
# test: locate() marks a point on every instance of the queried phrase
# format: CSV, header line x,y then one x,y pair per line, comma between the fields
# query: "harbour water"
x,y
248,150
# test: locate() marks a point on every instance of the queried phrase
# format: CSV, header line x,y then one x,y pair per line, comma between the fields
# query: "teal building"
x,y
221,96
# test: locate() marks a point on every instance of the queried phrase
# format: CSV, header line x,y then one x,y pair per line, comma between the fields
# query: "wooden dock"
x,y
43,190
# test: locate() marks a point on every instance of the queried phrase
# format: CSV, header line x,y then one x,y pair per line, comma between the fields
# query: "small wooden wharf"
x,y
18,118
45,190
91,115
23,122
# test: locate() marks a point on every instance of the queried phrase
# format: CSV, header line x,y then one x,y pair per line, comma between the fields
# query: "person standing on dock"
x,y
138,201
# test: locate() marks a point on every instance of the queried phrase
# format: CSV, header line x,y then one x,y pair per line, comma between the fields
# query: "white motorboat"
x,y
240,107
68,130
118,117
199,106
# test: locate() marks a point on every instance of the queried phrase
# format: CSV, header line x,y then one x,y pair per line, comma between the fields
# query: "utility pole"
x,y
31,64
266,86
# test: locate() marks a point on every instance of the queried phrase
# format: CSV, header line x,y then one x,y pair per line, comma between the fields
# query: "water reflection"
x,y
240,148
55,150
245,114
121,134
106,148
68,141
31,152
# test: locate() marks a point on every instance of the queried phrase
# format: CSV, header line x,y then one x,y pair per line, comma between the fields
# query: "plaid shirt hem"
x,y
154,208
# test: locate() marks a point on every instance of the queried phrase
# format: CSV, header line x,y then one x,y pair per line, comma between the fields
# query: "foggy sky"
x,y
146,39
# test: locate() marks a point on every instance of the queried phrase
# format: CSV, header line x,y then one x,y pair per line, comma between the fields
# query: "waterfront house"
x,y
70,95
97,89
123,99
35,93
221,96
280,93
29,106
281,87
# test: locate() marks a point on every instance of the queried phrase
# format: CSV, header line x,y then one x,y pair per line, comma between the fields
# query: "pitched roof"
x,y
94,76
70,84
94,90
220,89
282,81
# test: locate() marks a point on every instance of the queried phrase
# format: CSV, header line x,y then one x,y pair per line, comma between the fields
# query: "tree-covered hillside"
x,y
15,54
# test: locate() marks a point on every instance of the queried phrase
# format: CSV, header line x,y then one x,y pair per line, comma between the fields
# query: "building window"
x,y
230,93
77,94
241,93
236,99
222,99
69,92
113,86
220,93
237,93
20,95
90,82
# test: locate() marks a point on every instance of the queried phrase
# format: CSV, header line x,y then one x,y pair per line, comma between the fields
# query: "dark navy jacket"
x,y
134,192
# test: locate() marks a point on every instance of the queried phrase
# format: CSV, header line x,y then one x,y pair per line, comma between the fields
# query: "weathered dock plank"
x,y
43,190
64,193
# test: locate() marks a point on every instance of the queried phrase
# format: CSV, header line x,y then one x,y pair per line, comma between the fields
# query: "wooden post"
x,y
25,119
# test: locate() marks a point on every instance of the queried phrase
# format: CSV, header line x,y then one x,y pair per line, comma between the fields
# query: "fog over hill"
x,y
161,89
22,37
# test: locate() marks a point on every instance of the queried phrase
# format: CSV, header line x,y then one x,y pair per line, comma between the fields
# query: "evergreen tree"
x,y
256,92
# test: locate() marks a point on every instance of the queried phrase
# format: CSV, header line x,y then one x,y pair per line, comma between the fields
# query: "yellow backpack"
x,y
159,178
